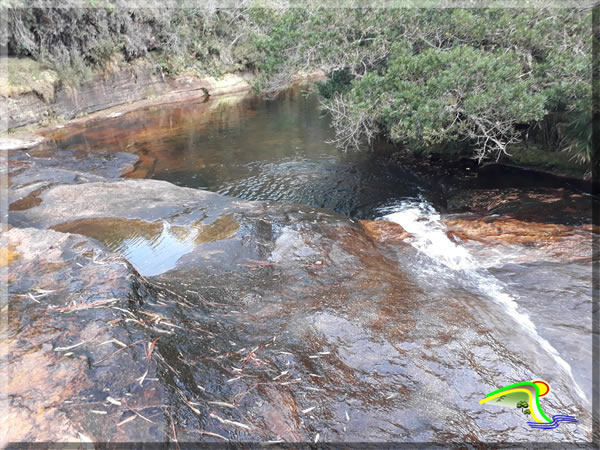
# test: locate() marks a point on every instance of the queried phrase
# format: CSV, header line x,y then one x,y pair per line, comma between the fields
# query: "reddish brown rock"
x,y
384,231
558,241
592,228
57,347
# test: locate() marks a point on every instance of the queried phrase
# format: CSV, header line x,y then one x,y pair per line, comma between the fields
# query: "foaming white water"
x,y
428,232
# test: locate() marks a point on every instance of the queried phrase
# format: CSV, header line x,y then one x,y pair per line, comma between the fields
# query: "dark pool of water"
x,y
253,148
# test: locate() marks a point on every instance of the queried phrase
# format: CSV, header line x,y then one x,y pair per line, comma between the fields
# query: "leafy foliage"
x,y
427,76
440,96
337,81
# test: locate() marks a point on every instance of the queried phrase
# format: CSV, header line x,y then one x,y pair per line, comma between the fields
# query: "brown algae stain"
x,y
145,165
111,231
7,256
224,227
29,201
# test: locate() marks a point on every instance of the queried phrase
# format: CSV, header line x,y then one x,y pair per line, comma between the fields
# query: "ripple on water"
x,y
252,148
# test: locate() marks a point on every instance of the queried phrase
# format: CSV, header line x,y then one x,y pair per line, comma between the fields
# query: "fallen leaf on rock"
x,y
230,422
129,419
113,401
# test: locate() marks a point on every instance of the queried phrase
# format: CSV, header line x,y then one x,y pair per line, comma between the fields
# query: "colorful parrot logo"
x,y
526,396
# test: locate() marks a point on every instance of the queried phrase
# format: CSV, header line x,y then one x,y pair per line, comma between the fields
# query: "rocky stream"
x,y
214,271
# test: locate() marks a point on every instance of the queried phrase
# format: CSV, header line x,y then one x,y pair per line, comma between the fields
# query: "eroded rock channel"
x,y
139,310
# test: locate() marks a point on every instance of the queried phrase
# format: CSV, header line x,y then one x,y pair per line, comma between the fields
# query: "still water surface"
x,y
252,148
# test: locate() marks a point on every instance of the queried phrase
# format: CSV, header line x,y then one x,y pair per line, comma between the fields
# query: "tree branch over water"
x,y
422,77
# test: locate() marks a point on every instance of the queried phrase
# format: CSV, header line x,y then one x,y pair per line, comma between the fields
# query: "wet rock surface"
x,y
531,240
29,176
384,231
143,311
562,315
274,322
68,355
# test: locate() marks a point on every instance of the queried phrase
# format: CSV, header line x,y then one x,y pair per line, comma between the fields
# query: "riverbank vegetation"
x,y
421,77
488,78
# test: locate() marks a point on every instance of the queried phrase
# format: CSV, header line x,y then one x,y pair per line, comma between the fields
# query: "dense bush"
x,y
75,40
425,76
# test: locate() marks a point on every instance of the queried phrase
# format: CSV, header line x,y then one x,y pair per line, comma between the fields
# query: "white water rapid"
x,y
428,232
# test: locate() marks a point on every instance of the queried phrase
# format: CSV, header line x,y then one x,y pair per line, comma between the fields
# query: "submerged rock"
x,y
549,205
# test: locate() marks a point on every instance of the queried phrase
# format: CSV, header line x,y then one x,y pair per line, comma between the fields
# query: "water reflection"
x,y
248,147
159,254
152,247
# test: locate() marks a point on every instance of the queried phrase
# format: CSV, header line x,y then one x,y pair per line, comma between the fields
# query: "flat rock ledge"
x,y
270,322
